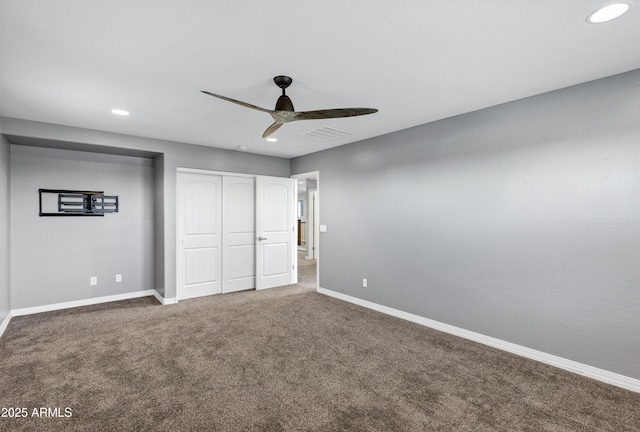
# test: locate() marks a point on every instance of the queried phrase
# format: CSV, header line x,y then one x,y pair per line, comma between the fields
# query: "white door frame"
x,y
312,236
315,175
214,172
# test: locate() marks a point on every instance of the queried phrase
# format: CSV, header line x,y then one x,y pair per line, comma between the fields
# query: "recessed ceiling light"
x,y
607,13
271,139
243,148
120,112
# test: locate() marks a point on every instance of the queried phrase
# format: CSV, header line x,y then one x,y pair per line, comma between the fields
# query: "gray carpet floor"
x,y
285,359
306,271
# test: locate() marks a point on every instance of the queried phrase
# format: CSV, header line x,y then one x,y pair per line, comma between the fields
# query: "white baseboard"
x,y
164,301
560,362
85,302
4,324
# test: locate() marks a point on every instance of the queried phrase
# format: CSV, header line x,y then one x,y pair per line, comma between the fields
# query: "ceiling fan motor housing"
x,y
284,104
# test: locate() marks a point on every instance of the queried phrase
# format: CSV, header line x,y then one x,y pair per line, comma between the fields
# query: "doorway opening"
x,y
308,212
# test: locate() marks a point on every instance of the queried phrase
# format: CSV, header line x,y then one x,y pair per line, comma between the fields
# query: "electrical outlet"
x,y
118,278
364,283
93,280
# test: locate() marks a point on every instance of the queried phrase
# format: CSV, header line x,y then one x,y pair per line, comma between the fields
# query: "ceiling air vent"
x,y
326,133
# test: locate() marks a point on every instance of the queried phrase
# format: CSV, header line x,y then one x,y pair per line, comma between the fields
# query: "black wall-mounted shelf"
x,y
80,203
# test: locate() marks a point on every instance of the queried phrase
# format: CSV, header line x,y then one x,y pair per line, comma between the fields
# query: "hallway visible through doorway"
x,y
308,214
307,271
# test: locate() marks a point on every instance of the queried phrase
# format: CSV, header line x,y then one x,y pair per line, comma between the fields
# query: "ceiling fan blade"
x,y
284,111
331,113
271,129
244,104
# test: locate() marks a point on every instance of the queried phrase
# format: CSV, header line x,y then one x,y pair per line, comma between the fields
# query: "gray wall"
x,y
520,222
52,258
159,226
4,229
168,156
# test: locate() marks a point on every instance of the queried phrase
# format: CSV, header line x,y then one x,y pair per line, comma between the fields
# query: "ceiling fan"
x,y
284,112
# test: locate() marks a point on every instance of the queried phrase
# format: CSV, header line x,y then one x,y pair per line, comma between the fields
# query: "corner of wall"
x,y
158,224
4,324
5,309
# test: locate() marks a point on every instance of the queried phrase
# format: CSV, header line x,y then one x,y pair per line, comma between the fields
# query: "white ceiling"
x,y
70,62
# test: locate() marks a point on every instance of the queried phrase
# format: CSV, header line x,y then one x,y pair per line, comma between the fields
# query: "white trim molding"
x,y
550,359
5,323
85,302
214,172
164,301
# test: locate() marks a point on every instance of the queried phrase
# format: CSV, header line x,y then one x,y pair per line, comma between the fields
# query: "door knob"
x,y
261,238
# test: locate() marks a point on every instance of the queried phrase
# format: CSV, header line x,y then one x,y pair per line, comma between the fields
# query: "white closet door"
x,y
239,233
199,235
276,230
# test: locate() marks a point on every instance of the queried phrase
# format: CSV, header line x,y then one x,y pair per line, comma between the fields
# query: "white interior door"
x,y
312,252
199,235
276,231
239,233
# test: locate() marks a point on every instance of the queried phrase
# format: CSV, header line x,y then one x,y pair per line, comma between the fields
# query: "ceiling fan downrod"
x,y
283,103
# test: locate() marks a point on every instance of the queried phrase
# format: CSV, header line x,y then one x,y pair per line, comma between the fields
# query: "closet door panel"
x,y
199,232
239,233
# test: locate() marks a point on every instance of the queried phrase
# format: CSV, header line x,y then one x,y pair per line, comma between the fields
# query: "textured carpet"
x,y
306,271
286,359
